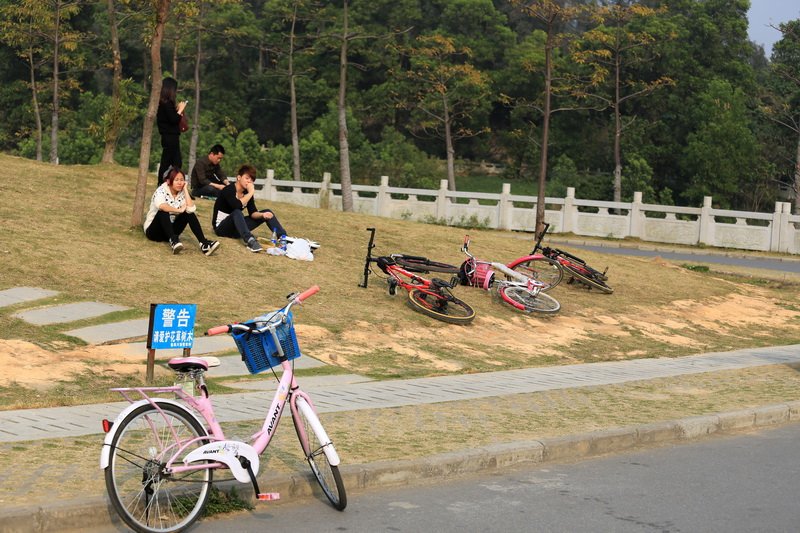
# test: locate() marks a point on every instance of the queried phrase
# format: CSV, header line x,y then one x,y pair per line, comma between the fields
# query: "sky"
x,y
765,12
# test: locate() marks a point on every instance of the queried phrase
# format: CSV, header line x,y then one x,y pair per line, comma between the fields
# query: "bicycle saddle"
x,y
186,364
441,284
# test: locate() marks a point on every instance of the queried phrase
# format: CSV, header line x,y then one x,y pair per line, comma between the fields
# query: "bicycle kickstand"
x,y
260,496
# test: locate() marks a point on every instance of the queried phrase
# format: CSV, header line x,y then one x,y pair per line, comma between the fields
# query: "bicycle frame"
x,y
405,278
519,280
565,258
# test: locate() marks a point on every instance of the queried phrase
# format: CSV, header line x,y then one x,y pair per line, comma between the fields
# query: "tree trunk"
x,y
448,146
344,149
797,179
162,10
195,120
112,134
37,114
175,58
617,135
548,89
54,120
293,106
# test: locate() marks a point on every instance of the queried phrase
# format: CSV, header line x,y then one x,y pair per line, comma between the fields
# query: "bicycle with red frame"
x,y
574,266
432,297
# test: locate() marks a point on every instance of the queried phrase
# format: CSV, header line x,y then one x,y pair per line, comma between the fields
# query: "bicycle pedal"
x,y
268,496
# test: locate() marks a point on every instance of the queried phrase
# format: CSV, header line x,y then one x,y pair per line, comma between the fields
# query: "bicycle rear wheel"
x,y
313,444
422,264
524,300
444,307
540,268
147,498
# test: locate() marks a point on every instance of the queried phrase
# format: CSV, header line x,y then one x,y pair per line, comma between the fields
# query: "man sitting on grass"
x,y
228,219
208,179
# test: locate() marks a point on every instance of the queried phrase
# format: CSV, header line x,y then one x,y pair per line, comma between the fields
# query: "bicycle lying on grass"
x,y
160,454
517,290
430,297
574,266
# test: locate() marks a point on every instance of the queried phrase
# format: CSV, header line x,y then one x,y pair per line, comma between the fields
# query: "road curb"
x,y
96,512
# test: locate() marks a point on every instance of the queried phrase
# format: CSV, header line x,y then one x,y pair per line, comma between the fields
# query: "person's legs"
x,y
273,223
208,247
194,224
237,225
162,229
205,190
170,155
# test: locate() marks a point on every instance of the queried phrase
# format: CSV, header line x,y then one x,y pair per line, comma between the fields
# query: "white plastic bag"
x,y
299,249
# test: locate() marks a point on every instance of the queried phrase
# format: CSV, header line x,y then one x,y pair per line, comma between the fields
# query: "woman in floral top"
x,y
171,210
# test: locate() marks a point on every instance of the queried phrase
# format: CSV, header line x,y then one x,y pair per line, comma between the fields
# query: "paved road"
x,y
732,484
788,265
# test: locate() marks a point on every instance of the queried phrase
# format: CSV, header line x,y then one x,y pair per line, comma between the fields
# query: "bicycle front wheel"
x,y
524,300
313,442
146,497
590,280
446,308
540,268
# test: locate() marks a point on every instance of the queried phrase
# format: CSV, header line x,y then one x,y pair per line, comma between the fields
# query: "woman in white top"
x,y
171,210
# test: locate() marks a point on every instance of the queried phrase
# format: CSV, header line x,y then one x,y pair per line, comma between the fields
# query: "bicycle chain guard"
x,y
228,453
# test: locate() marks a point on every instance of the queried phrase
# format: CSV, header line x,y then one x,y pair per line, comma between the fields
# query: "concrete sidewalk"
x,y
330,395
349,393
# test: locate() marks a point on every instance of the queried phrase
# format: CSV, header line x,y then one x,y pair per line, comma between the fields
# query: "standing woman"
x,y
171,210
168,119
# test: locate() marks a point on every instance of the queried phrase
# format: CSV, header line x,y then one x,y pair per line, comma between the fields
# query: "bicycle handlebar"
x,y
368,258
300,298
311,291
218,329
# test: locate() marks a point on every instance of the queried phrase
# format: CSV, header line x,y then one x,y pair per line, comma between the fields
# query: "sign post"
x,y
171,326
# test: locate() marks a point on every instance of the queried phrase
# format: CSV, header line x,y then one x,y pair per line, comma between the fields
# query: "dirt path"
x,y
682,323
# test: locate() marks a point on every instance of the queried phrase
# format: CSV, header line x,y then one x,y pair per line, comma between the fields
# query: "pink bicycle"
x,y
522,289
160,454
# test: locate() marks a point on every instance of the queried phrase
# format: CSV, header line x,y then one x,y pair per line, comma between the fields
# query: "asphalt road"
x,y
749,262
745,483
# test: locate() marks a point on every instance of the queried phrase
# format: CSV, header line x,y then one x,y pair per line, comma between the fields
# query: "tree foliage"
x,y
264,77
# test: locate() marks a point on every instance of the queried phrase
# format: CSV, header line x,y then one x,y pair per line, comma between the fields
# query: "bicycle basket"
x,y
476,274
259,351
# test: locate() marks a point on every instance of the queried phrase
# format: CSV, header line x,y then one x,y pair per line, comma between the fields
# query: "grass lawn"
x,y
67,228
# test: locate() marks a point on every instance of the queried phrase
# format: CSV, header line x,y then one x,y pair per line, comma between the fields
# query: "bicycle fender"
x,y
105,453
522,259
322,436
227,452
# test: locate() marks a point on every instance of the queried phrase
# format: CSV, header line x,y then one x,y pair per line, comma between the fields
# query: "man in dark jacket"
x,y
228,220
208,179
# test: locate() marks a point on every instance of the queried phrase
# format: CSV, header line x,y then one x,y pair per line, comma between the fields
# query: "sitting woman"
x,y
171,209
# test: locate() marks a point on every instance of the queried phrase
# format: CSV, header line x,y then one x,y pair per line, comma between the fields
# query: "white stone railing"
x,y
775,232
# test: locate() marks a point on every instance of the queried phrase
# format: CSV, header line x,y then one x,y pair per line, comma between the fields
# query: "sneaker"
x,y
210,247
253,245
176,246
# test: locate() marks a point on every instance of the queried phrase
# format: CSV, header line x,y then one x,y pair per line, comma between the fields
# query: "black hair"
x,y
169,90
217,149
250,170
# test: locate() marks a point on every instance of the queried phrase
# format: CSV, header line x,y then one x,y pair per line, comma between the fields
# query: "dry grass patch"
x,y
92,253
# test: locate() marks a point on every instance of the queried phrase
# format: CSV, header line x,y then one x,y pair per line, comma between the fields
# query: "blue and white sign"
x,y
171,326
